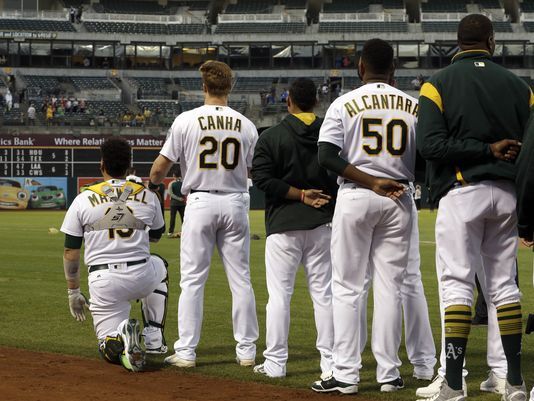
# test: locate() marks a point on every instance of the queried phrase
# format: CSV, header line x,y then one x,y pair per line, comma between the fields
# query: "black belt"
x,y
405,182
203,190
96,268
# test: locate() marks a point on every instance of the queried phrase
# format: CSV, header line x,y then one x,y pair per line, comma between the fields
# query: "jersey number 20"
x,y
392,127
229,160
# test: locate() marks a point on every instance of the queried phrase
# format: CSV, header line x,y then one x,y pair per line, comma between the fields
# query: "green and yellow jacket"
x,y
463,109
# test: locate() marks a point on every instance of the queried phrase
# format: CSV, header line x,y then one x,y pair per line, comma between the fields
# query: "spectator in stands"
x,y
148,115
157,117
72,14
100,118
68,105
325,89
31,114
9,100
126,120
75,105
284,96
139,120
79,12
81,106
49,114
86,62
346,62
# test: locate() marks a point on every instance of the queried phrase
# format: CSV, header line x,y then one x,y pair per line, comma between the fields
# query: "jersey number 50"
x,y
229,160
396,148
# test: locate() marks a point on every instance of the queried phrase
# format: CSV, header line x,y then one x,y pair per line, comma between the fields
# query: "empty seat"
x,y
364,26
261,27
436,6
252,84
347,6
250,7
84,83
36,25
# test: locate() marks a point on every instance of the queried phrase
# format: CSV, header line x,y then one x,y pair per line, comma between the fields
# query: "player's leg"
x,y
495,357
181,211
389,258
418,333
198,240
355,217
499,249
459,233
172,221
362,307
233,243
154,307
283,254
318,268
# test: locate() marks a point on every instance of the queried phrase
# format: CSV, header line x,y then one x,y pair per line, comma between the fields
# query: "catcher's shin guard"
x,y
111,349
154,311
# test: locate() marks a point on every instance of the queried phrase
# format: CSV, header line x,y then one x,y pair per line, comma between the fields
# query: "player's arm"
x,y
264,177
329,159
435,143
157,228
71,267
160,169
524,185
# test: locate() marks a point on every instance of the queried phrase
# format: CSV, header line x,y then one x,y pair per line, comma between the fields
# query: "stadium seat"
x,y
364,26
36,25
250,7
444,6
261,27
347,6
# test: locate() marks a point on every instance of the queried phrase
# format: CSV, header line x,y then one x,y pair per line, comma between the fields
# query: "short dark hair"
x,y
116,156
474,28
377,56
130,171
303,93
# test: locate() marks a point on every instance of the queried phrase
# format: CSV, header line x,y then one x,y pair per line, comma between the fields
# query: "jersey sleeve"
x,y
250,154
173,144
72,224
332,129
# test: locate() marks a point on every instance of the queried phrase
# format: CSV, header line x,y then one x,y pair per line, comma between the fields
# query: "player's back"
x,y
112,245
374,126
216,144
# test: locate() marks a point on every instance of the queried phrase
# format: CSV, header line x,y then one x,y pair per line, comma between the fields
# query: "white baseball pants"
x,y
111,291
284,252
216,219
368,231
417,330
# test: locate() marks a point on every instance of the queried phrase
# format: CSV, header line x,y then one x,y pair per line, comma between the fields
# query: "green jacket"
x,y
286,155
462,110
525,184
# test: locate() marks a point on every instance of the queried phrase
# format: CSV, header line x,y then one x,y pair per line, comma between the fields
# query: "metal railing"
x,y
362,17
32,14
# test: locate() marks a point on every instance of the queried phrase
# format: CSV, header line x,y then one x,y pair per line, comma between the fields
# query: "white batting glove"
x,y
77,304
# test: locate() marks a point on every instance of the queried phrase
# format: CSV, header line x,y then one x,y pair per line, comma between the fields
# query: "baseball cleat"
x,y
448,394
133,356
260,369
245,362
175,360
331,384
432,390
514,393
160,350
392,386
493,384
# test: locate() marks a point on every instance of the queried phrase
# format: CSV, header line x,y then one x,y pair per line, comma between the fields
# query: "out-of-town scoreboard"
x,y
68,156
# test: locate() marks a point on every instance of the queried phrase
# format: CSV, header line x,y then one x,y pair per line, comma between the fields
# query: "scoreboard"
x,y
68,156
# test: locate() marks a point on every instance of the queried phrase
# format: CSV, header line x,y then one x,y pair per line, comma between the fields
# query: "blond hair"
x,y
217,77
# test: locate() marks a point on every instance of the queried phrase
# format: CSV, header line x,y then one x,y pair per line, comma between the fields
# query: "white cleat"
x,y
245,362
175,360
448,394
133,356
514,393
431,391
493,384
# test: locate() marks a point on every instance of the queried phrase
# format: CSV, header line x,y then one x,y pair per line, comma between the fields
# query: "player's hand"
x,y
527,242
77,304
389,188
506,149
315,198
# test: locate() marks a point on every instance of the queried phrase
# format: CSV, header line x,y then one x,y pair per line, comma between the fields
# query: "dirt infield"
x,y
36,376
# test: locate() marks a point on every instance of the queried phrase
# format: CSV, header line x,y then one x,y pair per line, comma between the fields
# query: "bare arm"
x,y
160,169
71,265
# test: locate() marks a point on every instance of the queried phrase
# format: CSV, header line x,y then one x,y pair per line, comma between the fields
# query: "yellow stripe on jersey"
x,y
531,98
97,188
430,92
306,118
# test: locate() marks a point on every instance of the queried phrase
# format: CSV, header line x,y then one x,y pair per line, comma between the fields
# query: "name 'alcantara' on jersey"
x,y
380,102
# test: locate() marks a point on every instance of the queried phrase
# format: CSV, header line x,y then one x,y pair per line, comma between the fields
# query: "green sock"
x,y
457,327
510,325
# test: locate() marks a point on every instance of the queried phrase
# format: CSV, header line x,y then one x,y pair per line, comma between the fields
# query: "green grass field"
x,y
34,313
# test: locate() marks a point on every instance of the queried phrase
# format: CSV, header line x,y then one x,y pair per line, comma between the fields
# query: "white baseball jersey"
x,y
215,145
112,245
374,126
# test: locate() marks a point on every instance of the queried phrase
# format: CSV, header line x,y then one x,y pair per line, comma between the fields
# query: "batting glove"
x,y
77,304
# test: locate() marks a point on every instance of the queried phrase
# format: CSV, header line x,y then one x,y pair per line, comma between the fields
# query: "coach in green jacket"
x,y
299,207
472,116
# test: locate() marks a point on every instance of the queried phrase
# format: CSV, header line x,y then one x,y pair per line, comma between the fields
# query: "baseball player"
x,y
418,333
177,202
368,139
215,146
297,216
116,219
473,115
525,195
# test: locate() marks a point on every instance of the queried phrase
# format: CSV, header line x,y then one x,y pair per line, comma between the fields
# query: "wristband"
x,y
152,186
302,195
